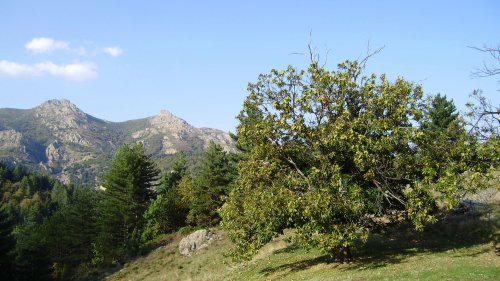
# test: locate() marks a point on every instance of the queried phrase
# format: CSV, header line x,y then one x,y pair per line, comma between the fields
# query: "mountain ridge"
x,y
60,139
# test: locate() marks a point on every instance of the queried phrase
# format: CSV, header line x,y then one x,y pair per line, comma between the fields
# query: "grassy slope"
x,y
460,248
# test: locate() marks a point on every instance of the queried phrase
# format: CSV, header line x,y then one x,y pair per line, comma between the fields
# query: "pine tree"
x,y
212,183
440,114
70,232
32,260
178,170
167,213
129,189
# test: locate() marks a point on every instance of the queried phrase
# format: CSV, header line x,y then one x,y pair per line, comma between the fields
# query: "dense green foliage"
x,y
440,114
216,172
191,199
32,260
7,244
334,153
128,191
70,233
50,231
167,213
24,205
178,170
31,204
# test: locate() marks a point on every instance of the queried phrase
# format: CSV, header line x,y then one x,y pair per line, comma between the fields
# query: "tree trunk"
x,y
341,253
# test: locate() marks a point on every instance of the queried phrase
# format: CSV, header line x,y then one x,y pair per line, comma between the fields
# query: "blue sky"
x,y
122,60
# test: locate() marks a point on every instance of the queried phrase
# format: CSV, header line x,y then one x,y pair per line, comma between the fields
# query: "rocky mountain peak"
x,y
165,119
61,114
165,112
58,138
62,105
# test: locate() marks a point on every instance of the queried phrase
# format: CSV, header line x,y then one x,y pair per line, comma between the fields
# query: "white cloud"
x,y
72,71
75,71
113,51
45,45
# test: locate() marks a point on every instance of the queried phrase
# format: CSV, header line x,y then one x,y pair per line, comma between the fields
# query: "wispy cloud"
x,y
113,51
42,45
74,71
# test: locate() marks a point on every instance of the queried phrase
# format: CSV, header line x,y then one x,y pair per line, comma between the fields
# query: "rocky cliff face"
x,y
75,147
10,139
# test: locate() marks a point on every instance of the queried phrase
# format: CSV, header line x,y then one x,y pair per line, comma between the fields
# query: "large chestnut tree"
x,y
332,154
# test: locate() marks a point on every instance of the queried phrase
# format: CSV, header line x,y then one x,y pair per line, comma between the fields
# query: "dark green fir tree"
x,y
128,191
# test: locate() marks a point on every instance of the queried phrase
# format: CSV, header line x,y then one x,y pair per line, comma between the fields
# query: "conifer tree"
x,y
167,213
128,191
178,170
32,260
212,183
70,232
440,114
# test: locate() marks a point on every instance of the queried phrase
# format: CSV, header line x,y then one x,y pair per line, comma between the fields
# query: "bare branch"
x,y
313,54
493,51
326,58
490,112
369,54
487,70
483,116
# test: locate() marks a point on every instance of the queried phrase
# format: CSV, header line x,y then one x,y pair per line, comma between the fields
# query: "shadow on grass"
x,y
155,245
399,242
103,273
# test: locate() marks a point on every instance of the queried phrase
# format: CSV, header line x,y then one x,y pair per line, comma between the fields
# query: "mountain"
x,y
58,138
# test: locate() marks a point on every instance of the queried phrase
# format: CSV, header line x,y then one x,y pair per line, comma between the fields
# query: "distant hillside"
x,y
58,138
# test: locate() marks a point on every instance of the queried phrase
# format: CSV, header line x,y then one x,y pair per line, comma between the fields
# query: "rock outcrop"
x,y
195,241
10,139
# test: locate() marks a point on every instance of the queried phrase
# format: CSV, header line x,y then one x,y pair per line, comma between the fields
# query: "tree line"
x,y
50,231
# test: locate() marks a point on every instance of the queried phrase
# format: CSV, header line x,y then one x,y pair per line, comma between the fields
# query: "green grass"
x,y
460,248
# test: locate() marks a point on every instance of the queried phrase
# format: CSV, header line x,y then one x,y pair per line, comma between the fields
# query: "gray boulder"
x,y
195,241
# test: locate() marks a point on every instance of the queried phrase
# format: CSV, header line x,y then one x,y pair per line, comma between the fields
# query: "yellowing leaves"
x,y
327,149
